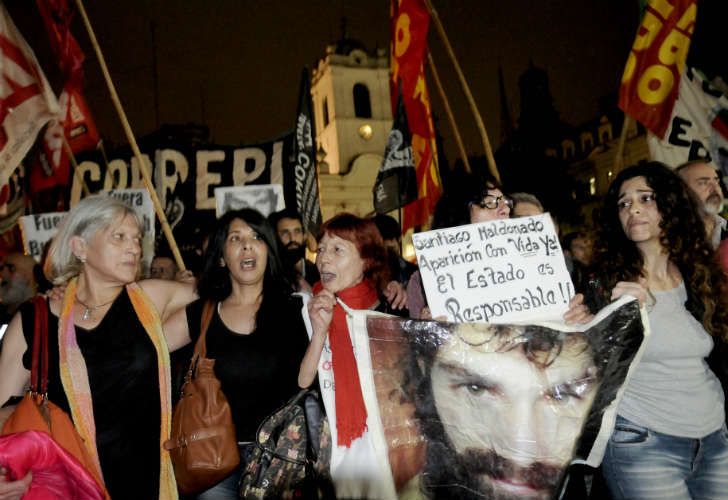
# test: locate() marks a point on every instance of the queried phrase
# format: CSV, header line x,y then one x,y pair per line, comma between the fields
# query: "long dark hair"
x,y
215,282
682,236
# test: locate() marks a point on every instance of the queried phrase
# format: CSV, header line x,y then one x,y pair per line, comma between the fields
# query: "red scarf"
x,y
351,414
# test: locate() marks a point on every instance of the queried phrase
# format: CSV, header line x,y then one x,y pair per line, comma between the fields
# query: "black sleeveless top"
x,y
122,369
258,372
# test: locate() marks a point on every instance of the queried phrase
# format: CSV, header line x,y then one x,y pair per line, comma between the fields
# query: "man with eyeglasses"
x,y
703,180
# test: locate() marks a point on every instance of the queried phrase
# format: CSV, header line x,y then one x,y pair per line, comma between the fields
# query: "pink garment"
x,y
56,474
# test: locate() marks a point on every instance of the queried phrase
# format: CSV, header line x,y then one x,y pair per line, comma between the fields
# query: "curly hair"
x,y
363,233
682,236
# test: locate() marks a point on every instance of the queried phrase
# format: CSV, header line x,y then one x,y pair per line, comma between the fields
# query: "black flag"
x,y
396,183
305,178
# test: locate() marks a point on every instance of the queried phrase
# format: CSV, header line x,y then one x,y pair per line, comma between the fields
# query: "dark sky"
x,y
236,64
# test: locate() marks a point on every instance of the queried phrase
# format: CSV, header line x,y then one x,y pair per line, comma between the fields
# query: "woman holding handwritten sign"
x,y
670,440
455,209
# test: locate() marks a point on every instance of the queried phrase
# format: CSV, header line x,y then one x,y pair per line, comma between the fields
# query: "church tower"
x,y
350,94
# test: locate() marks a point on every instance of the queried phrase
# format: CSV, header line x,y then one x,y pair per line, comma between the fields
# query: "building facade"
x,y
352,110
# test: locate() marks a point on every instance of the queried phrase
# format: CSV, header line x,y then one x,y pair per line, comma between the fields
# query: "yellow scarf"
x,y
78,392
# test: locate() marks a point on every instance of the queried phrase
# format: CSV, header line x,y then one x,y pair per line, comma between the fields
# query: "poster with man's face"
x,y
496,411
265,198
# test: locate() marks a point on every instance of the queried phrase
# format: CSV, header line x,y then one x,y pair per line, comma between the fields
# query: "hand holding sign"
x,y
495,272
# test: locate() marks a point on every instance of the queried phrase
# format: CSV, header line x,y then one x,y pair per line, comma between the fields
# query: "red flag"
x,y
26,100
410,24
77,125
57,16
52,166
651,79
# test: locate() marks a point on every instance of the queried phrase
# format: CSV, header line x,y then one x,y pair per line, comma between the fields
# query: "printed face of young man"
x,y
512,422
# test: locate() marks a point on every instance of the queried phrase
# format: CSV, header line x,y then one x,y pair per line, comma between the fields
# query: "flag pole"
x,y
466,89
132,141
76,169
448,112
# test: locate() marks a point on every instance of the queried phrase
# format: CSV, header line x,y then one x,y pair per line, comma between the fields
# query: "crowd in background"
x,y
278,318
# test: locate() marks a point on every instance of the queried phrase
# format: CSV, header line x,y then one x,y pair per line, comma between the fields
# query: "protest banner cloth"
x,y
304,190
510,270
396,183
265,198
410,24
26,100
473,411
186,175
650,82
698,127
37,230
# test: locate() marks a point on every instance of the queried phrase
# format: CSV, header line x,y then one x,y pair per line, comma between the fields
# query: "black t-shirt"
x,y
258,372
121,362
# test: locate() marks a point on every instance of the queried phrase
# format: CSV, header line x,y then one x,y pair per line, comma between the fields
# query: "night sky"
x,y
235,65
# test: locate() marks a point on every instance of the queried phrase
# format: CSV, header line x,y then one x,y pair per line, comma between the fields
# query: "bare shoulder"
x,y
167,295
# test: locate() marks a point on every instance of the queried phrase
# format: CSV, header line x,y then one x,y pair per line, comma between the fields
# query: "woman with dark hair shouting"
x,y
670,440
256,335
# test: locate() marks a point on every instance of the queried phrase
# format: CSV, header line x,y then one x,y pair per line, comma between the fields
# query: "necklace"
x,y
88,310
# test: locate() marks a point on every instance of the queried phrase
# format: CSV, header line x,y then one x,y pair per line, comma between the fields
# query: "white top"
x,y
672,389
362,470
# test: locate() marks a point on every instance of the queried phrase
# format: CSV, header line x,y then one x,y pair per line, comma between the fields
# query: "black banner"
x,y
185,176
396,183
303,169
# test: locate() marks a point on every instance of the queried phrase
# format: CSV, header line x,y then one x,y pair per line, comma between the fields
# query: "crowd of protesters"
x,y
279,317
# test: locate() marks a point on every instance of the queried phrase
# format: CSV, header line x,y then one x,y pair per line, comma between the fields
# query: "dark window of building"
x,y
326,112
362,104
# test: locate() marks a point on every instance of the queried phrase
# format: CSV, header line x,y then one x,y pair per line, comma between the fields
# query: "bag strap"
x,y
39,364
208,309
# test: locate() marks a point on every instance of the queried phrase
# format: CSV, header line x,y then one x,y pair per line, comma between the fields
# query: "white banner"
x,y
495,272
265,198
37,230
697,127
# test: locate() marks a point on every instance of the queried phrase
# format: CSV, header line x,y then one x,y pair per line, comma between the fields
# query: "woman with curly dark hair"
x,y
670,439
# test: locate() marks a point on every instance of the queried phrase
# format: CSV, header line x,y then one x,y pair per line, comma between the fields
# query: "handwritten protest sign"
x,y
37,230
495,272
265,198
140,201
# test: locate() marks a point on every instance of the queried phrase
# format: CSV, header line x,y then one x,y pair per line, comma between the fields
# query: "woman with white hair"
x,y
108,358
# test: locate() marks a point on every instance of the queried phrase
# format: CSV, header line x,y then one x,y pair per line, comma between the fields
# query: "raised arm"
x,y
169,296
320,311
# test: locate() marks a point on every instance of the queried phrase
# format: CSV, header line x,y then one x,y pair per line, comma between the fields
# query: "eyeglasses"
x,y
491,202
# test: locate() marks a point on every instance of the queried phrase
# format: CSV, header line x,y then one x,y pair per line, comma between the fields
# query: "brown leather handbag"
x,y
36,413
203,444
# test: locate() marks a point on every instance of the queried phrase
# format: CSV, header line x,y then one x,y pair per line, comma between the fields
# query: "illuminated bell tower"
x,y
350,93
